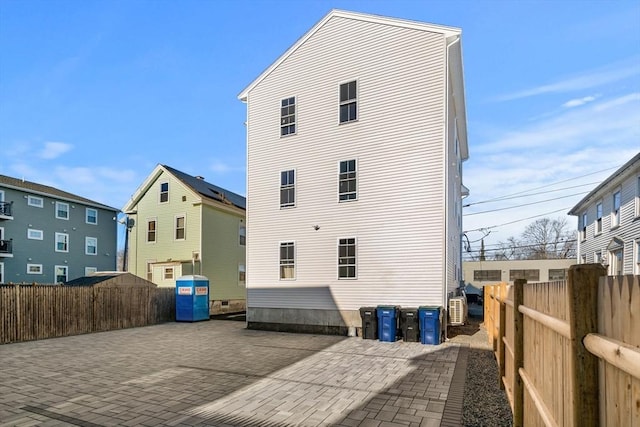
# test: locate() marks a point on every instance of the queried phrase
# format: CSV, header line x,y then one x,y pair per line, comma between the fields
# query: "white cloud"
x,y
578,102
221,168
53,150
595,78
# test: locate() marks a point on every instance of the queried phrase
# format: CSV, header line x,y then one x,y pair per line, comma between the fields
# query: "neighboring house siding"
x,y
398,142
628,231
42,251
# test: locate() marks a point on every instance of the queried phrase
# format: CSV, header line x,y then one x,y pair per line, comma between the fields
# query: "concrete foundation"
x,y
227,306
331,322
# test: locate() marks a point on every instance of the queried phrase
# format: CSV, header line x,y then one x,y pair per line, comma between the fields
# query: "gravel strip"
x,y
484,403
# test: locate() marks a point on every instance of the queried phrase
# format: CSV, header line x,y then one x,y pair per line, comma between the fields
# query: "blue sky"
x,y
94,94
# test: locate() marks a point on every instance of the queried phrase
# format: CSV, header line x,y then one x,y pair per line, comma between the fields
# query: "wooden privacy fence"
x,y
36,312
568,352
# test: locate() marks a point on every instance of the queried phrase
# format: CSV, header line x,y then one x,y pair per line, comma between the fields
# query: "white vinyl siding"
x,y
398,263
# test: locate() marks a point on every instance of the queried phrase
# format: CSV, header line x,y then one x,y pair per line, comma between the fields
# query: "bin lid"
x,y
191,277
389,307
430,307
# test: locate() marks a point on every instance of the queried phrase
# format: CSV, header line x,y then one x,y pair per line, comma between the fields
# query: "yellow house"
x,y
180,224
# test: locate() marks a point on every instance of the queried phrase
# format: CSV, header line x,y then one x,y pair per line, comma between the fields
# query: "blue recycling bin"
x,y
192,298
387,322
430,319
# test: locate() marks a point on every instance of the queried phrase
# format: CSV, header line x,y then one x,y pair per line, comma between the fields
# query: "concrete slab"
x,y
219,373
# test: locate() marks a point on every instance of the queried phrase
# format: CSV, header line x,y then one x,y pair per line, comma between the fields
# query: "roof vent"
x,y
201,178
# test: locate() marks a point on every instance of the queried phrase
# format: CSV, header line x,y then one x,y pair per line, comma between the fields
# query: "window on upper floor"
x,y
164,192
287,188
347,181
598,228
531,275
615,212
347,258
557,274
487,275
288,116
35,234
638,197
91,246
583,227
62,210
91,216
348,102
242,235
287,260
152,225
180,227
62,242
36,202
34,268
61,273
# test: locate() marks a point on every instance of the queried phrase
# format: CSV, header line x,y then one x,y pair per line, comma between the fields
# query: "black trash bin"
x,y
409,324
369,323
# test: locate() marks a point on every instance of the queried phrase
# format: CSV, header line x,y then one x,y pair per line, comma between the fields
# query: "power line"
x,y
518,220
499,199
525,204
562,242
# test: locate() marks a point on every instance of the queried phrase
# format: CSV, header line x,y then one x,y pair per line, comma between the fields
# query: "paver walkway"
x,y
218,373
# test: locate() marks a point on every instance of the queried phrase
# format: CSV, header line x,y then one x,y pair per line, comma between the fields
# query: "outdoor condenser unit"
x,y
457,311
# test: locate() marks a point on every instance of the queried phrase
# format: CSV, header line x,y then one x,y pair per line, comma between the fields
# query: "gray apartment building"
x,y
51,236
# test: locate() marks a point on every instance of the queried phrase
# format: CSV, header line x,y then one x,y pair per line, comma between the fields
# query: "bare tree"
x,y
509,250
548,238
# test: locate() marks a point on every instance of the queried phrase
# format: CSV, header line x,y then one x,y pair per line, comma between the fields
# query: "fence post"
x,y
518,353
582,290
501,333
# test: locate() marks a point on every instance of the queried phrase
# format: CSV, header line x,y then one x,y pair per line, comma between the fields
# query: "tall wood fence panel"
x,y
568,352
36,312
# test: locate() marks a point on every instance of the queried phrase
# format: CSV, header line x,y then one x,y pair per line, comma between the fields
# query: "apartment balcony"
x,y
6,248
6,211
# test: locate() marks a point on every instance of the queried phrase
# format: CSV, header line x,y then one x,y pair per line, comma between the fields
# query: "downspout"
x,y
446,189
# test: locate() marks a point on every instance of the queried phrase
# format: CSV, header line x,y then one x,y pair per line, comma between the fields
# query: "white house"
x,y
356,137
609,221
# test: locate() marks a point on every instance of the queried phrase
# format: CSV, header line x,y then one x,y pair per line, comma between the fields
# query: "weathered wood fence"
x,y
568,352
36,312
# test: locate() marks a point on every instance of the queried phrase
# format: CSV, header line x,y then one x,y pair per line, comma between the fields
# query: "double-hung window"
x,y
598,229
583,230
62,210
91,246
347,181
61,273
62,242
91,216
180,227
152,225
287,260
242,235
348,102
164,192
615,213
347,258
638,197
287,188
288,116
242,274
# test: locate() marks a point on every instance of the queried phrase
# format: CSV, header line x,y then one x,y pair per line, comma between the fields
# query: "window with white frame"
x,y
1,272
180,227
36,202
88,271
598,229
638,197
150,263
288,116
348,102
616,262
91,246
34,268
287,260
91,216
33,234
242,235
583,229
62,242
61,273
242,274
347,181
637,258
62,210
168,273
347,258
597,257
151,230
287,188
615,213
164,192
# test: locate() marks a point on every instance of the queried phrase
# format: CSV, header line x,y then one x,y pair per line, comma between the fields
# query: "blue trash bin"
x,y
192,298
387,323
430,318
